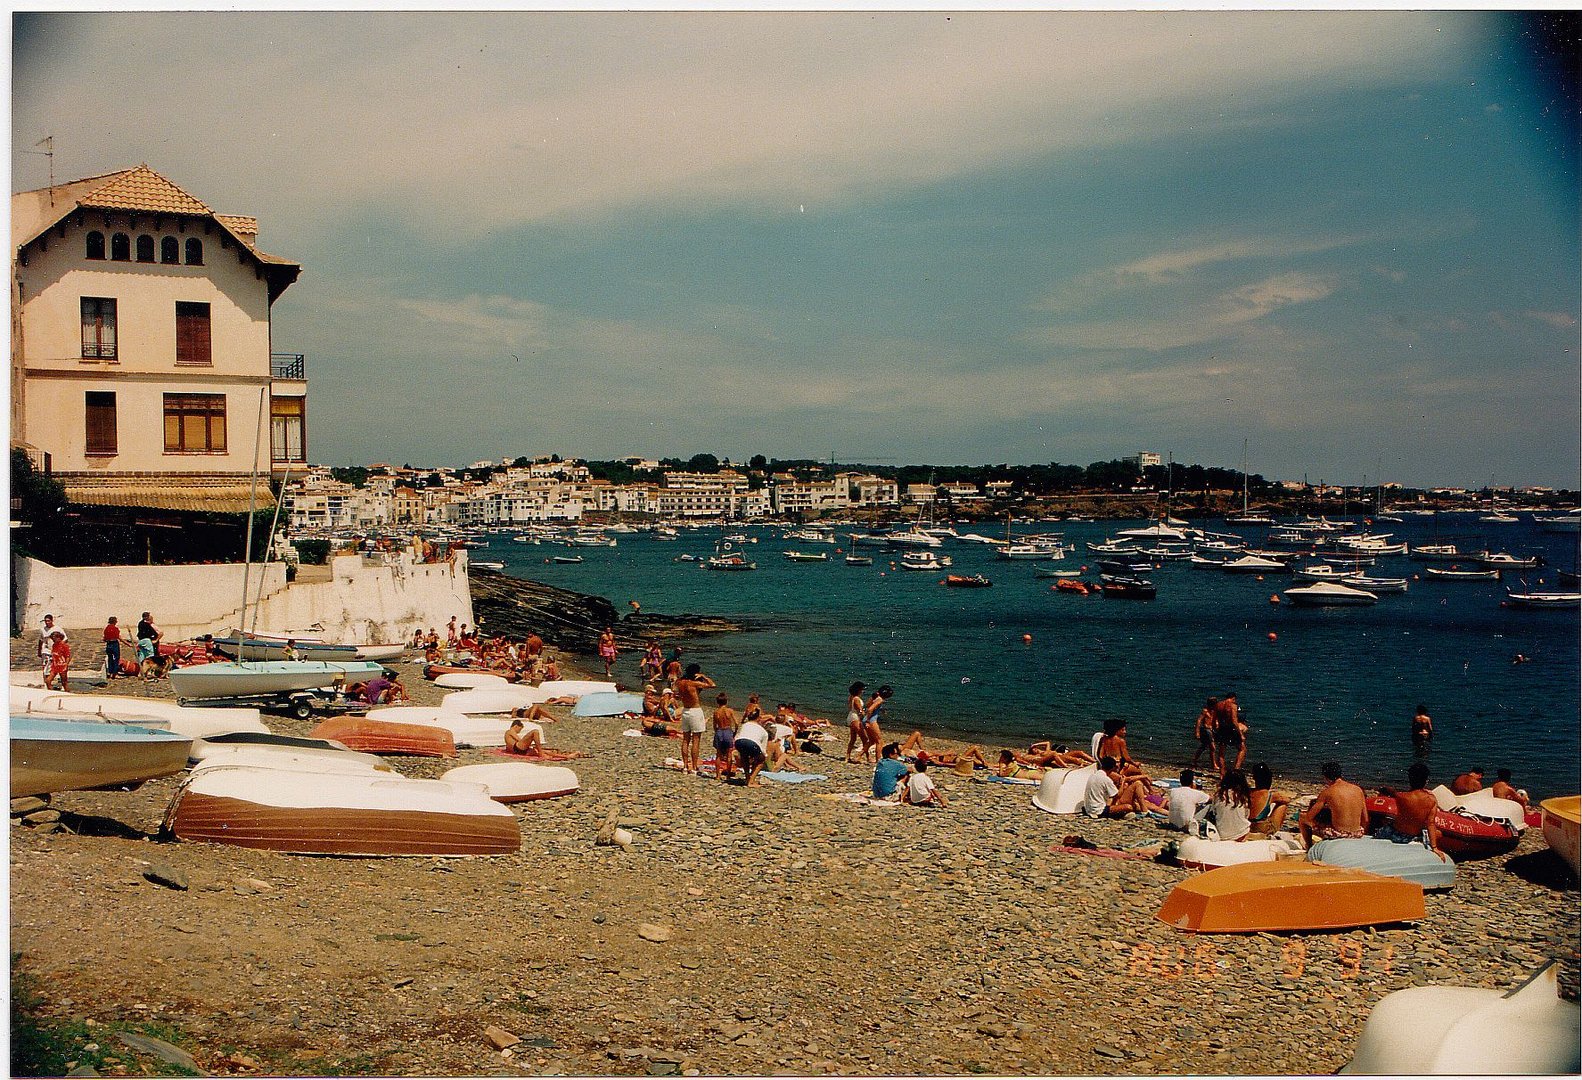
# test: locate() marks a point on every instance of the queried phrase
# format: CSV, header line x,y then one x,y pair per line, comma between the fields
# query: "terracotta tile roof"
x,y
143,189
204,494
241,226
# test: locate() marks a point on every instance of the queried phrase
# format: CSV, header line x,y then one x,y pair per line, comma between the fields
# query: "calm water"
x,y
1333,683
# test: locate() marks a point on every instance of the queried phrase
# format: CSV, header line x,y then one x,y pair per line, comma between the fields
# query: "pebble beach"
x,y
743,931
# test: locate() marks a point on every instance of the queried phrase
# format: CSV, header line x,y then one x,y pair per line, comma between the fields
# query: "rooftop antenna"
x,y
48,143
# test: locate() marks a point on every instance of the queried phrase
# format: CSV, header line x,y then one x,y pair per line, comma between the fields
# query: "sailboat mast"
x,y
252,506
1244,478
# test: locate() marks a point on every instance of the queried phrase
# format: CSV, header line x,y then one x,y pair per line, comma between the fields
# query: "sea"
x,y
1020,661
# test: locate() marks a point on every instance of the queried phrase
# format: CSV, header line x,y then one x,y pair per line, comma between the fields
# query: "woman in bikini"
x,y
1267,805
873,714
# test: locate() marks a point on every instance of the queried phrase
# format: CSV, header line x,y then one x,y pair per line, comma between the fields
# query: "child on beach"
x,y
59,662
920,789
724,737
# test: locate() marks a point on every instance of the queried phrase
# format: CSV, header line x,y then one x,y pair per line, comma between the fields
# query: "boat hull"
x,y
1461,836
386,737
1413,861
1289,895
518,781
298,813
48,756
1561,827
270,648
265,678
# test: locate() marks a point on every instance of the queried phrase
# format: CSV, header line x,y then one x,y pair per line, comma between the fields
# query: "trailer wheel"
x,y
302,708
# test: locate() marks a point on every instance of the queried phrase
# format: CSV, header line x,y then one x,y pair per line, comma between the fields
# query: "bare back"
x,y
1413,811
1348,806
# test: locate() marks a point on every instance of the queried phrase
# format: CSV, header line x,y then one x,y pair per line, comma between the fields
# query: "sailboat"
x,y
1247,518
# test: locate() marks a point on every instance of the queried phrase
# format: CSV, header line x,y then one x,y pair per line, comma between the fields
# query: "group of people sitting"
x,y
523,661
384,688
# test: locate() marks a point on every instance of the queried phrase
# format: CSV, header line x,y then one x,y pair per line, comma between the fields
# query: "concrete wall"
x,y
372,602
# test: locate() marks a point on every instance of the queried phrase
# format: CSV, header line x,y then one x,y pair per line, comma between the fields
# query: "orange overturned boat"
x,y
1289,895
367,814
387,737
1068,585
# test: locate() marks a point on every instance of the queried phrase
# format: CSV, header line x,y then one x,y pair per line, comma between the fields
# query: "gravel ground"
x,y
801,936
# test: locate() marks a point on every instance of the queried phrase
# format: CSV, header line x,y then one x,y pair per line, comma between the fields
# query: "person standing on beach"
x,y
724,737
46,639
693,722
673,667
1207,718
112,648
873,713
59,661
653,662
1422,729
607,651
148,636
855,711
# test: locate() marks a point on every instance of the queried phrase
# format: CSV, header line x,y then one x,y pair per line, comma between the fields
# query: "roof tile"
x,y
143,189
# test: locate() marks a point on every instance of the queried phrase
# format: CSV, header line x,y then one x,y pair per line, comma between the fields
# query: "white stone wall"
x,y
363,602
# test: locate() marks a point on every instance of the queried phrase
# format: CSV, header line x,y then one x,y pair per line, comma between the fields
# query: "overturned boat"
x,y
78,755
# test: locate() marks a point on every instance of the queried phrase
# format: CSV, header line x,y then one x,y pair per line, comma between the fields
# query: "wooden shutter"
x,y
101,439
192,334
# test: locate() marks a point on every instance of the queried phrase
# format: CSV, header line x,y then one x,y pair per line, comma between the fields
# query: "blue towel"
x,y
792,777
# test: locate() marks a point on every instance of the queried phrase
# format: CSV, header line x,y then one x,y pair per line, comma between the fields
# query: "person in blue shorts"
x,y
724,737
889,773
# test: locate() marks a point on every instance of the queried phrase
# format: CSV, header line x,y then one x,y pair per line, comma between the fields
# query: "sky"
x,y
1348,238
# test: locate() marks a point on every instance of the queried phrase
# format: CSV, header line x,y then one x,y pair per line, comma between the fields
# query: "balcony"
x,y
288,366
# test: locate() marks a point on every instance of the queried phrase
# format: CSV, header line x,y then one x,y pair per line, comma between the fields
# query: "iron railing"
x,y
285,365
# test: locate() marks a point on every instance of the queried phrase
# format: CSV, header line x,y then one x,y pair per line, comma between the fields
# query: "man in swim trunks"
x,y
1422,728
1339,813
724,737
1414,812
1204,731
1230,734
693,722
1467,782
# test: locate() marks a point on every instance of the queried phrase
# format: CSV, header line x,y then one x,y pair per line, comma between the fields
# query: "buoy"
x,y
1260,577
1027,639
1275,599
1272,635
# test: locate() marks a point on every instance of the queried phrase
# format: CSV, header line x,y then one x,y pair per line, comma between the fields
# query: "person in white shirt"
x,y
920,789
1110,795
752,738
1185,801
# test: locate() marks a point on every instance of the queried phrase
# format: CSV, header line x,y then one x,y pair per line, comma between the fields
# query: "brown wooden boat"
x,y
386,737
1289,895
310,813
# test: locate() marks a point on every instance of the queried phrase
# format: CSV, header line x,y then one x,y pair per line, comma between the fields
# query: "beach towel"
x,y
792,777
1025,781
638,733
547,755
1101,852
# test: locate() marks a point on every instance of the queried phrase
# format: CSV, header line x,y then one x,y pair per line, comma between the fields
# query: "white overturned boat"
x,y
1201,854
265,678
465,729
1330,594
471,680
300,759
75,755
193,722
1465,1030
1061,790
493,699
517,781
1412,861
575,687
356,814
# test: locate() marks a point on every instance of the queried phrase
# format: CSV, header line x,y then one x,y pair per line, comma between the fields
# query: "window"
x,y
192,334
170,250
285,429
194,251
98,328
194,423
96,245
145,248
121,247
101,423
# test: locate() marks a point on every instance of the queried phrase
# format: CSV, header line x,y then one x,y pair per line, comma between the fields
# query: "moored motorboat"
x,y
387,737
807,556
75,755
1544,599
1378,584
517,781
1465,1030
1252,564
1127,588
565,558
1330,594
923,560
1412,861
1055,572
1562,820
1289,895
1453,574
859,560
375,814
966,581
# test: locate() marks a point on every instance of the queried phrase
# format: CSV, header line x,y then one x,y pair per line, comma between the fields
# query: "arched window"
x,y
194,251
170,250
96,245
145,248
121,247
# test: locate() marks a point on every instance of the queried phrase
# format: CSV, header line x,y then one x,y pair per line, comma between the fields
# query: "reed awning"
x,y
206,495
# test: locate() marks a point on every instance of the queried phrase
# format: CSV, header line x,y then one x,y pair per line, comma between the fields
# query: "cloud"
x,y
479,121
1560,320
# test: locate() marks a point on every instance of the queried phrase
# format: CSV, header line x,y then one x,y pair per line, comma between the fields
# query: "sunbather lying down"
x,y
913,750
1048,755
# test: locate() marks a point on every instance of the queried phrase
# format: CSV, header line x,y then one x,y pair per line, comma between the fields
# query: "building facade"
x,y
141,365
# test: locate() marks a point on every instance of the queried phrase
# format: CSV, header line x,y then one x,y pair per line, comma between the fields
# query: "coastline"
x,y
804,935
